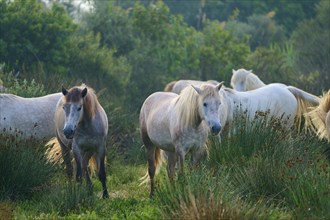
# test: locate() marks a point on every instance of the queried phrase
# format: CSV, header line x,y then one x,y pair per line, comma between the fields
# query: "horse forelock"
x,y
188,103
90,102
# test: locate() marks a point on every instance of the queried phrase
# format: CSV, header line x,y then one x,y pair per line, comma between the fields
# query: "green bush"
x,y
23,168
282,167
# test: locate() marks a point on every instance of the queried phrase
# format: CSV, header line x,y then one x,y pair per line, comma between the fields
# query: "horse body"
x,y
178,86
177,124
82,126
275,99
32,117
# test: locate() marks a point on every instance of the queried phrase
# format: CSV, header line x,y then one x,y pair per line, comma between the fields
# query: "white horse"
x,y
245,80
81,126
178,86
31,117
177,124
278,100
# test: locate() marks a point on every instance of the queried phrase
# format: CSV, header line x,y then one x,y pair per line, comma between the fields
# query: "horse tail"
x,y
305,102
54,155
159,155
53,152
169,86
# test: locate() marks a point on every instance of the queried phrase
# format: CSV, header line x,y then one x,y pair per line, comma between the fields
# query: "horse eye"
x,y
205,104
79,109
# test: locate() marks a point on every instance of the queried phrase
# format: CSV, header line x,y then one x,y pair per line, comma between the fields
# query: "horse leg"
x,y
151,159
180,155
85,161
151,168
171,161
102,175
78,158
200,154
65,150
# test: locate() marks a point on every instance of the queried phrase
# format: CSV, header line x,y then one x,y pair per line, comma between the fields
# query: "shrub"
x,y
23,168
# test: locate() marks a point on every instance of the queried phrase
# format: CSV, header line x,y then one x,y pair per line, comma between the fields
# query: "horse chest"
x,y
192,138
88,143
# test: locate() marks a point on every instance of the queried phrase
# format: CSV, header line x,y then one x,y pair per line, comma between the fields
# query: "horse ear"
x,y
84,92
64,91
233,71
218,87
197,89
250,71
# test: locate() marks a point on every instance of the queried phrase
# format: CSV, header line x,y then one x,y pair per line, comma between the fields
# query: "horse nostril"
x,y
216,129
67,132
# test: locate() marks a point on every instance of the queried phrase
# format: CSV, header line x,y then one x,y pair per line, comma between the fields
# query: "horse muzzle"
x,y
68,132
215,129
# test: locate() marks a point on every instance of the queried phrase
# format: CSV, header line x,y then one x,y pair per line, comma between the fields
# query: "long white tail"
x,y
305,96
305,102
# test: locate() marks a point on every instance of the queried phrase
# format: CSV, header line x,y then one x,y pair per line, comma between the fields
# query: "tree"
x,y
32,36
311,41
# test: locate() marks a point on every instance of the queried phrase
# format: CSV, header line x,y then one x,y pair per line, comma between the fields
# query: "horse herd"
x,y
173,122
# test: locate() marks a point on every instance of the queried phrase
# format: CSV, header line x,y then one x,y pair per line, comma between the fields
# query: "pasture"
x,y
258,172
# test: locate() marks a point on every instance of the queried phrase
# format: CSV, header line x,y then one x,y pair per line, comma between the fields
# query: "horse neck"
x,y
232,99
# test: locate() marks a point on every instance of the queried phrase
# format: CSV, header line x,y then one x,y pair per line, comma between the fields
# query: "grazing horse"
x,y
31,117
245,80
178,86
320,117
177,124
82,125
280,101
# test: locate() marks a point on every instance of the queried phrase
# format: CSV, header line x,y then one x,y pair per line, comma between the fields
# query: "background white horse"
x,y
178,124
275,99
245,80
32,117
178,86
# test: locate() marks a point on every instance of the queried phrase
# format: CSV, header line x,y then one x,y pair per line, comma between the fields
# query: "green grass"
x,y
257,172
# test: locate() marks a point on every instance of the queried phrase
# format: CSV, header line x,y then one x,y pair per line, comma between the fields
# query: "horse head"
x,y
73,108
209,106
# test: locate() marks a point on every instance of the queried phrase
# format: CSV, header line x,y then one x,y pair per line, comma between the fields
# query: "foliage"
x,y
273,65
264,161
260,31
23,168
288,13
24,88
31,35
312,45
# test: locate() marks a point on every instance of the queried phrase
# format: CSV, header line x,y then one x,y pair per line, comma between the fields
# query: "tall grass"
x,y
261,170
23,168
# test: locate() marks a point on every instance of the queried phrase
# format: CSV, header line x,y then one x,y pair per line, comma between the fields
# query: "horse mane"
x,y
90,102
318,116
253,82
187,105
